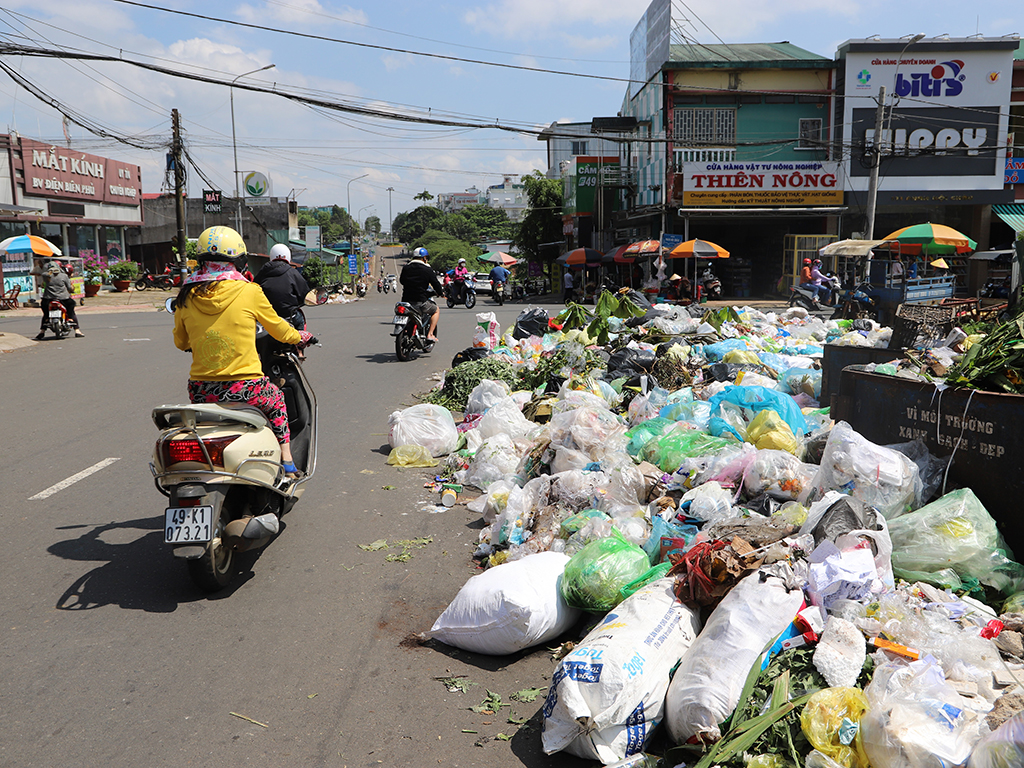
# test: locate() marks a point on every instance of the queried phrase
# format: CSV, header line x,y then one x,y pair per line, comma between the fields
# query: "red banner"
x,y
52,171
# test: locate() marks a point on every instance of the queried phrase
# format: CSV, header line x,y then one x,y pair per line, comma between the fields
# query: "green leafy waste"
x,y
996,363
461,380
490,705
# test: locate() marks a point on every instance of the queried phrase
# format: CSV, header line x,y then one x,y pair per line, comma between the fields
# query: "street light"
x,y
876,148
359,217
348,189
234,144
391,221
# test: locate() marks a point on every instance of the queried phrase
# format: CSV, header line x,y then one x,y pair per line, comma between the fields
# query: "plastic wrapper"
x,y
487,331
769,431
746,356
411,456
829,720
574,523
592,431
779,474
931,468
508,608
707,685
505,417
954,532
879,476
727,466
496,457
485,394
915,719
596,573
566,459
851,524
644,431
670,449
607,695
428,425
709,502
1003,748
646,406
801,380
758,399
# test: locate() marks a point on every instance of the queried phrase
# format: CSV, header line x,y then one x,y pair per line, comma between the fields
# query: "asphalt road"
x,y
110,657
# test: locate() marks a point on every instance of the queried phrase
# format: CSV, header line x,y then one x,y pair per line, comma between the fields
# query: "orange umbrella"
x,y
580,256
700,249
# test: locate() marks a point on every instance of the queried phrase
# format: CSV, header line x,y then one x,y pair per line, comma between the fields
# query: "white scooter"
x,y
220,467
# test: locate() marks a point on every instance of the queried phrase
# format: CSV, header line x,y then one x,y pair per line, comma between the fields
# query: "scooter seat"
x,y
166,416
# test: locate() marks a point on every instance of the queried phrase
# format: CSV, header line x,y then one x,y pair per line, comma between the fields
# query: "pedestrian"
x,y
58,289
567,286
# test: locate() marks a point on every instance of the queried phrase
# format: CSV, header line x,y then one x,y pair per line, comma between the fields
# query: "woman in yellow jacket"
x,y
215,318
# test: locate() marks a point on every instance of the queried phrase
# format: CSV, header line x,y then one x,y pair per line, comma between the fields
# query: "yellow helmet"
x,y
220,244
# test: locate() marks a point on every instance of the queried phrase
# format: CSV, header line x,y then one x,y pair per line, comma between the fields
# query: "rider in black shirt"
x,y
417,279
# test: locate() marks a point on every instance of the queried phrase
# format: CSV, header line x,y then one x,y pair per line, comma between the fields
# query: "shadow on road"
x,y
136,575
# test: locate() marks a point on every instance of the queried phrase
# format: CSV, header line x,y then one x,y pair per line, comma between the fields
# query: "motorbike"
x,y
804,297
387,285
856,304
462,293
391,281
711,284
410,331
57,320
518,292
996,289
360,289
380,284
219,465
147,279
498,291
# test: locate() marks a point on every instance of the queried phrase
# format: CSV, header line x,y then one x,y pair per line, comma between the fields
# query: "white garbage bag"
x,y
428,425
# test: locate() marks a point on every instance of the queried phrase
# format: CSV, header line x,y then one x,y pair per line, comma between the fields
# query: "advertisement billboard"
x,y
581,183
762,184
649,44
52,171
946,107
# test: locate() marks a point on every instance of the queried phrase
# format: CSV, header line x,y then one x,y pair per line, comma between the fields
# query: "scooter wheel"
x,y
403,346
451,303
140,284
471,301
219,563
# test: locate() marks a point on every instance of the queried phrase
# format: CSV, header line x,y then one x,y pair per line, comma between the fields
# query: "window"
x,y
810,133
704,126
579,148
702,156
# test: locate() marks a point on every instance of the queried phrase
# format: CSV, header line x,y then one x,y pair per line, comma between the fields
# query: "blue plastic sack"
x,y
661,528
760,398
715,352
697,413
781,363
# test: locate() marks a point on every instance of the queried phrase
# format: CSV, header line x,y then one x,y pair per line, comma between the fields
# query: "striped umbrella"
x,y
932,239
29,244
700,249
581,256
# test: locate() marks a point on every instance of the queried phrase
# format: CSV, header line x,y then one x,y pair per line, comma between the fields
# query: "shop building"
x,y
453,202
86,205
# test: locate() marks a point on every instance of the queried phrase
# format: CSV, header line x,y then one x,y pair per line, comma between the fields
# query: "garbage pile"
x,y
761,587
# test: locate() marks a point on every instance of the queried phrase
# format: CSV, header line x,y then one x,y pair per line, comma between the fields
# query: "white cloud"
x,y
521,18
299,13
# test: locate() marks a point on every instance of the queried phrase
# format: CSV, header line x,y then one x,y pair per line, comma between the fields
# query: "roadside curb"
x,y
12,341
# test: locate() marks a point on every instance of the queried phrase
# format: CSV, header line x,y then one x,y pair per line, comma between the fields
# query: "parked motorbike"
x,y
57,320
462,293
498,291
220,468
996,289
410,331
711,284
147,279
856,304
518,292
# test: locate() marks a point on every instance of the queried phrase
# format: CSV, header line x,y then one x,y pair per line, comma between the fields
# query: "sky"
x,y
373,60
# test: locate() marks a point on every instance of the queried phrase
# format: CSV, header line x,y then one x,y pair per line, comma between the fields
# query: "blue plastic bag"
x,y
759,398
662,528
715,352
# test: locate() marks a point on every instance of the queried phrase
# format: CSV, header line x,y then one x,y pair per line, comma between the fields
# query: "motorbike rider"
x,y
417,277
498,275
58,289
823,281
215,318
807,279
459,277
284,286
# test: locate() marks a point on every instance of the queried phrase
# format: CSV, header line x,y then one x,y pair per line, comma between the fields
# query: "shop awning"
x,y
1012,214
991,255
7,209
851,247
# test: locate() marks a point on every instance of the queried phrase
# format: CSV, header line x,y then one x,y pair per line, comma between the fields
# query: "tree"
x,y
543,221
445,251
458,226
424,195
411,226
373,224
491,223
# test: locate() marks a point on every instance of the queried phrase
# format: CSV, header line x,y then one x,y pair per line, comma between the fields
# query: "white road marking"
x,y
73,479
136,339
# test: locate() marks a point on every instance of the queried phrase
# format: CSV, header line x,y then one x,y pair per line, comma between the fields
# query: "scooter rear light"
x,y
189,449
399,309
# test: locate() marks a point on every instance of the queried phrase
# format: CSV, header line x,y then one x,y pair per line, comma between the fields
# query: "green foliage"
x,y
411,226
424,195
445,251
459,227
123,270
543,221
315,272
372,224
491,223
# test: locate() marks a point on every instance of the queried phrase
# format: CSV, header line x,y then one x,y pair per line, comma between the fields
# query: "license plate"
x,y
188,525
401,319
55,313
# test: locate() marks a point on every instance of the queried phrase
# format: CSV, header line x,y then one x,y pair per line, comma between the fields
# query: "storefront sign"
x,y
52,171
313,239
945,111
1014,171
761,184
211,201
582,182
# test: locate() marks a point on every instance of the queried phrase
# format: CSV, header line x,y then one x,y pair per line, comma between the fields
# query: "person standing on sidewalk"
x,y
58,289
567,284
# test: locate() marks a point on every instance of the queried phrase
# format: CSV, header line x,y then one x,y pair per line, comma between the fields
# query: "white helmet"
x,y
281,252
462,261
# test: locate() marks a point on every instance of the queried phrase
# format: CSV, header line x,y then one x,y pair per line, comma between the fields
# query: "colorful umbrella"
x,y
29,244
580,256
644,247
618,255
499,257
932,239
700,249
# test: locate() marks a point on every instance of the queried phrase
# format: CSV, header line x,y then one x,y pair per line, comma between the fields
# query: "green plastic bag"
x,y
595,575
652,574
644,431
671,449
573,523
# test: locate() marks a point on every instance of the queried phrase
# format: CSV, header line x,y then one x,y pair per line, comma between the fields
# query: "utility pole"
x,y
391,221
876,160
179,188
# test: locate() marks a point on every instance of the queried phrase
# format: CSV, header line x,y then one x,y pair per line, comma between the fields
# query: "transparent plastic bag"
x,y
595,575
760,398
496,457
805,380
1003,748
644,431
505,417
829,721
957,532
677,444
590,430
428,425
485,394
779,474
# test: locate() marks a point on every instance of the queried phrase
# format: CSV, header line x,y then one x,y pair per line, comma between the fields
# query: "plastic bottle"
x,y
639,760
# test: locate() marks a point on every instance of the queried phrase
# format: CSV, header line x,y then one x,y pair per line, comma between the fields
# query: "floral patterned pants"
x,y
256,392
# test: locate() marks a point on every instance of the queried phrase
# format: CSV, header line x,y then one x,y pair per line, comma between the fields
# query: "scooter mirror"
x,y
169,305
